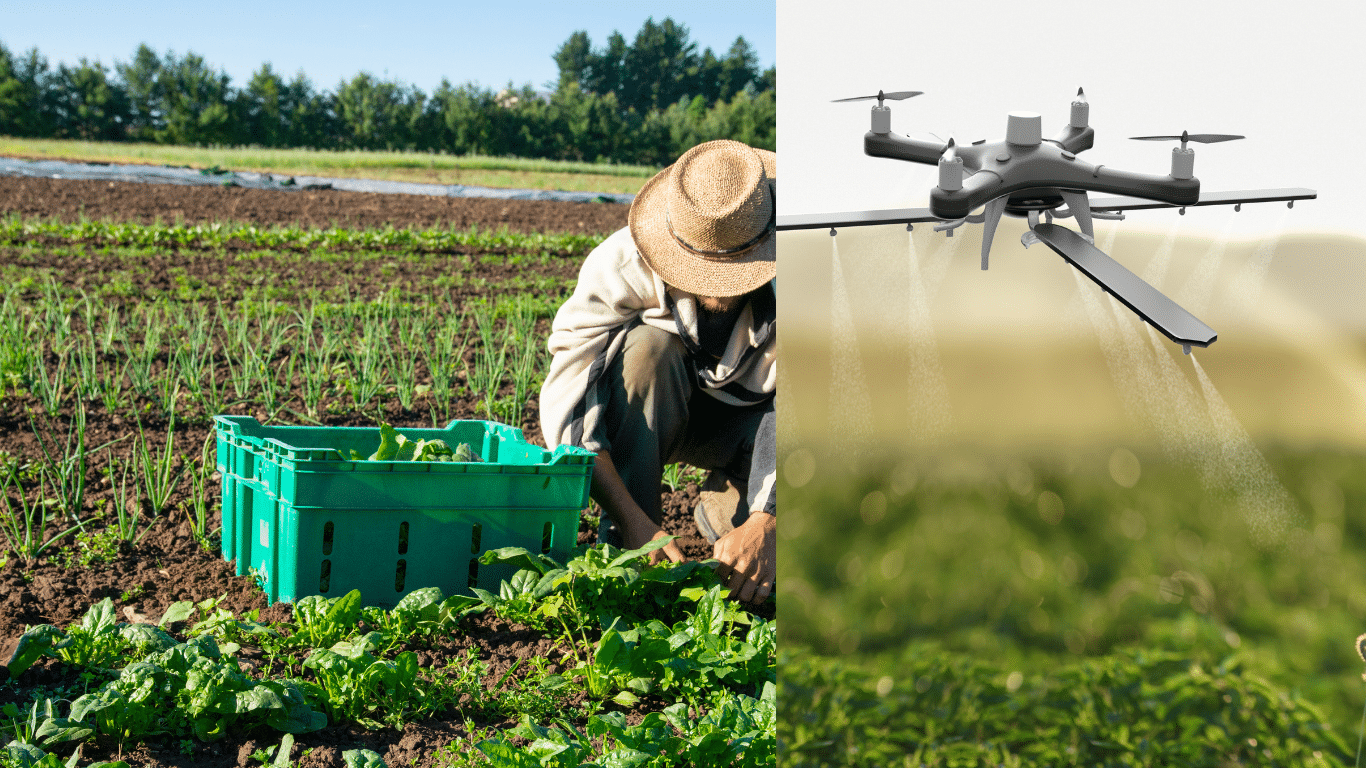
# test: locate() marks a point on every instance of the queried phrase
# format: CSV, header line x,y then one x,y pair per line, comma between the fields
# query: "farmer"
x,y
667,352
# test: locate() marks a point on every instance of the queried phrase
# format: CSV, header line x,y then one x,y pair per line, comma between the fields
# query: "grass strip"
x,y
429,167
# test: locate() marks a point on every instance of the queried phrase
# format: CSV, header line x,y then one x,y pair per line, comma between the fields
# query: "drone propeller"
x,y
950,154
1203,138
894,96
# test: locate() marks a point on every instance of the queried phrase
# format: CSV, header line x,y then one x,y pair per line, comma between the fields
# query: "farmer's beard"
x,y
720,305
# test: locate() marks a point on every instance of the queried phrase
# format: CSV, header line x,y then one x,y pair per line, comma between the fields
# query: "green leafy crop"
x,y
393,446
191,688
352,684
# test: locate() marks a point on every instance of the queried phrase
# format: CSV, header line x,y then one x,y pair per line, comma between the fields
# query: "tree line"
x,y
645,102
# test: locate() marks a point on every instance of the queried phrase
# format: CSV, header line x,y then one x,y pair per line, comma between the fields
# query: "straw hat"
x,y
705,224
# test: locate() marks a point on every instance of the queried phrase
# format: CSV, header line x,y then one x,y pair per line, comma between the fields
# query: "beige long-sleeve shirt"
x,y
617,290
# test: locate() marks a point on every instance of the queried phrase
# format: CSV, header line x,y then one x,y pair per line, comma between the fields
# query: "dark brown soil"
x,y
70,199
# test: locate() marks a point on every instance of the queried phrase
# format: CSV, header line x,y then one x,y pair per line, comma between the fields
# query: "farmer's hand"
x,y
637,529
642,532
749,558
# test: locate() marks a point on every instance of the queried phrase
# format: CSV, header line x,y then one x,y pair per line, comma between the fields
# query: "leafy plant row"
x,y
663,630
14,230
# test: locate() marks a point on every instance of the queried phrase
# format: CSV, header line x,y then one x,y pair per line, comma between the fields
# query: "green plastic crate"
x,y
309,522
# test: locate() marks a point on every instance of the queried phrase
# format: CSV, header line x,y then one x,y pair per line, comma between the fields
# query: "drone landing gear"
x,y
993,217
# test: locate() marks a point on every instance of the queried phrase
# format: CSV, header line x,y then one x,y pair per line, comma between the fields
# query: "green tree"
x,y
379,114
267,122
661,66
575,59
198,103
25,103
141,82
87,104
739,70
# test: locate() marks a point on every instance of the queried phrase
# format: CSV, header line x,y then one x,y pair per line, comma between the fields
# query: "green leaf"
x,y
98,701
459,605
36,642
100,618
146,638
650,546
55,730
553,682
521,558
432,450
23,755
388,444
524,582
256,698
486,597
624,757
504,755
359,647
626,699
282,754
422,603
549,581
362,758
677,715
296,716
672,573
345,611
608,647
209,728
180,611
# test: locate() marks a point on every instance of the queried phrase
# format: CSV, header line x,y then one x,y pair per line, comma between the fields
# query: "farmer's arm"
x,y
637,529
615,288
749,554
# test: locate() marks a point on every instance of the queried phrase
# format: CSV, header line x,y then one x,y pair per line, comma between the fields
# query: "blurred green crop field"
x,y
1007,585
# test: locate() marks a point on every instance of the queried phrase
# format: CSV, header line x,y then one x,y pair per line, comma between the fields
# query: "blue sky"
x,y
416,42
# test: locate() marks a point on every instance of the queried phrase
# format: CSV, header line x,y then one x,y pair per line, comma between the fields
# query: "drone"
x,y
1028,176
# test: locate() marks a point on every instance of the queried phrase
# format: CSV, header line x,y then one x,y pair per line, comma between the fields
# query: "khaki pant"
x,y
657,415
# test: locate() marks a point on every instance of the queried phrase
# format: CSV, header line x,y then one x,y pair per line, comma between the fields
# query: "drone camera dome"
x,y
1024,129
882,119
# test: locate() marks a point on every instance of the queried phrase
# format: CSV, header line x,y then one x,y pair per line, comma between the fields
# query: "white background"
x,y
1290,77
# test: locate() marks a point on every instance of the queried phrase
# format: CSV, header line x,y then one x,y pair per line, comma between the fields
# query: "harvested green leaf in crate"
x,y
393,446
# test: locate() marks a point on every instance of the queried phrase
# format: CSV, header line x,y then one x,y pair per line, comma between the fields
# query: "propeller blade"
x,y
1212,138
1203,138
894,96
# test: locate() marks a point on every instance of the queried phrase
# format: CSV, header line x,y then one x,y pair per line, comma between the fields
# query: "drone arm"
x,y
1074,139
899,147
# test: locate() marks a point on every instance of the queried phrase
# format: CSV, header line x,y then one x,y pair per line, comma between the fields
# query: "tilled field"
x,y
103,342
69,200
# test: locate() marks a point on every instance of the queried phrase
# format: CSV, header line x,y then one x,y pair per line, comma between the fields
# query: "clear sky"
x,y
489,43
1289,78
